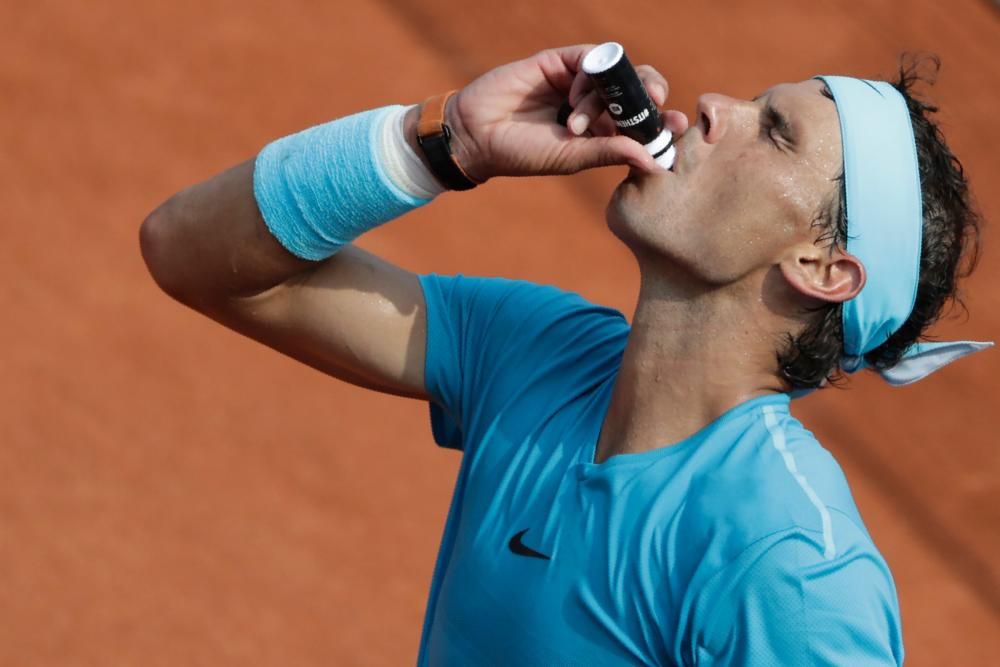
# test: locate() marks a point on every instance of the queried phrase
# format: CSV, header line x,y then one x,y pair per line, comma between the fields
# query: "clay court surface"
x,y
175,495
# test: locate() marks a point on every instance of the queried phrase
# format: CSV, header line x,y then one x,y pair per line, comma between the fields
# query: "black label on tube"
x,y
627,101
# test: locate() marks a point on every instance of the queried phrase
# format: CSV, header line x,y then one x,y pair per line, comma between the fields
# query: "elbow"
x,y
161,246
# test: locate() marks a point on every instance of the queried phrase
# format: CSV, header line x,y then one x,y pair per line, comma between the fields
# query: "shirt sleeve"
x,y
788,605
488,338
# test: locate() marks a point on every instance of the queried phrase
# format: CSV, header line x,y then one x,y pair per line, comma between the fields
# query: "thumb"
x,y
590,152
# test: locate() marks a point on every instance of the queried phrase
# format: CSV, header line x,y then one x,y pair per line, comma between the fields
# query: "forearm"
x,y
210,242
218,239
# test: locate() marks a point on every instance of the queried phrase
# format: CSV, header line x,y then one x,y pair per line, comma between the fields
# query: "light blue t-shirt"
x,y
740,545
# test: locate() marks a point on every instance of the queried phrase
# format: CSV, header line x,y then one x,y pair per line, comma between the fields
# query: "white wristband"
x,y
401,163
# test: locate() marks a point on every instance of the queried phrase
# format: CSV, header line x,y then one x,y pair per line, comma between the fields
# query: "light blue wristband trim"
x,y
321,188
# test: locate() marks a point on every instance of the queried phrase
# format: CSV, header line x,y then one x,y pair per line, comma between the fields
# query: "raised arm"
x,y
353,315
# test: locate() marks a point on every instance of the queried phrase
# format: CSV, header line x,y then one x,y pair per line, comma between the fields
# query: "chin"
x,y
618,218
632,232
631,216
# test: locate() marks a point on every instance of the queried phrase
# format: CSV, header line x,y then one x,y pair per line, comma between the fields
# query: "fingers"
x,y
582,85
589,109
621,150
572,56
561,66
604,126
607,151
654,83
676,121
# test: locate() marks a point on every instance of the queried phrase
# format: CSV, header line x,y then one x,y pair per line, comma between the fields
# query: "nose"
x,y
717,113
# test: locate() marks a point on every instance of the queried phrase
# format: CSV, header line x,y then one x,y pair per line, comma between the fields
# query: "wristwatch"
x,y
434,137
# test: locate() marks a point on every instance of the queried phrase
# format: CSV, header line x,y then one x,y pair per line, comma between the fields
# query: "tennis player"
x,y
631,491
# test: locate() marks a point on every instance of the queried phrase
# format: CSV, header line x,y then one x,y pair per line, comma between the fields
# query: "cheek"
x,y
753,218
790,203
779,201
799,201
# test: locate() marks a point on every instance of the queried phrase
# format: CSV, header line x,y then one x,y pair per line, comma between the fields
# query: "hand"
x,y
504,122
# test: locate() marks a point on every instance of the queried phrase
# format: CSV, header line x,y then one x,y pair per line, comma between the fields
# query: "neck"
x,y
692,354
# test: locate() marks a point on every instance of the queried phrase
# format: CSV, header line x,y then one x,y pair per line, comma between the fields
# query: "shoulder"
x,y
787,572
492,297
494,342
516,322
786,600
772,478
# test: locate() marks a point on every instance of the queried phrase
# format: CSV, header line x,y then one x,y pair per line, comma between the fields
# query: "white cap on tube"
x,y
603,57
666,157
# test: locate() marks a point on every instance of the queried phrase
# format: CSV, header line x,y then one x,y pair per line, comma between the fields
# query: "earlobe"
x,y
828,276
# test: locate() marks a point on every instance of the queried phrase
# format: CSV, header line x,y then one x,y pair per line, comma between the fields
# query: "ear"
x,y
829,275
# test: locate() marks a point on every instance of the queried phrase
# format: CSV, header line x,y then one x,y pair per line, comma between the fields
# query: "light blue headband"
x,y
884,227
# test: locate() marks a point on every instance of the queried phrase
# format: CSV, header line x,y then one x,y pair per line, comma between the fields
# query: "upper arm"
x,y
355,317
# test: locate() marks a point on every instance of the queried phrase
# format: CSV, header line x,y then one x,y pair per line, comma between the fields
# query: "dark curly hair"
x,y
951,232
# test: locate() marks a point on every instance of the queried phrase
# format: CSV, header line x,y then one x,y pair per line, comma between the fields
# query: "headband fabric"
x,y
884,208
884,227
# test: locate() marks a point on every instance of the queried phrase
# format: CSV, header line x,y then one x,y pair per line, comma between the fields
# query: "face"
x,y
749,177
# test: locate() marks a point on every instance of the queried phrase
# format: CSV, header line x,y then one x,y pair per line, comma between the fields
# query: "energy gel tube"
x,y
627,101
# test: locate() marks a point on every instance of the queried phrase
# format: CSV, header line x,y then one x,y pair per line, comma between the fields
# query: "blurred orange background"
x,y
175,495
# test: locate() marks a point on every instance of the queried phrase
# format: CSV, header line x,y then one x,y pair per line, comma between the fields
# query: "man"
x,y
629,494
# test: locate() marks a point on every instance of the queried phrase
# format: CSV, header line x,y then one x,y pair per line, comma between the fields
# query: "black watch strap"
x,y
434,137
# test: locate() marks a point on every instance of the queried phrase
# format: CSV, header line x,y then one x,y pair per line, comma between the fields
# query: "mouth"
x,y
688,145
678,145
678,152
639,178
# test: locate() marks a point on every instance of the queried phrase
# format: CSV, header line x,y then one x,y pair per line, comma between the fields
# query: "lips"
x,y
687,146
633,175
679,146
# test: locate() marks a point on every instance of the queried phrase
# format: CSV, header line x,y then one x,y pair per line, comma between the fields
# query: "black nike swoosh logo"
x,y
517,546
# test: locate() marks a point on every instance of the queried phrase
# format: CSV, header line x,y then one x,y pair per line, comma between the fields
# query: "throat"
x,y
681,371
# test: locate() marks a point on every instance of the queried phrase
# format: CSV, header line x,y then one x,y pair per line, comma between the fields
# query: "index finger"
x,y
561,65
581,86
650,79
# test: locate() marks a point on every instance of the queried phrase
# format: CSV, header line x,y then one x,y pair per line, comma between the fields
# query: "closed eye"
x,y
775,122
